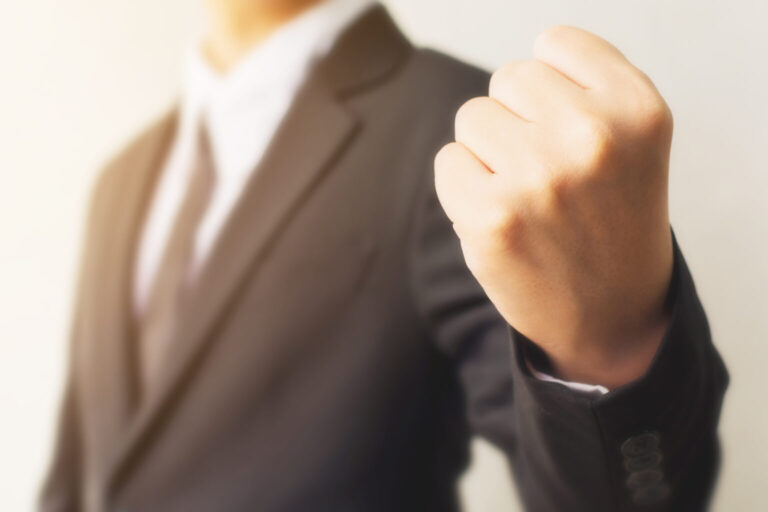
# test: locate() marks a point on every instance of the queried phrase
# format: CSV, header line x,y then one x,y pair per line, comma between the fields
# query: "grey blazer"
x,y
337,354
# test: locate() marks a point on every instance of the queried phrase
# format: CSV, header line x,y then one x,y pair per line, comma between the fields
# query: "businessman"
x,y
299,293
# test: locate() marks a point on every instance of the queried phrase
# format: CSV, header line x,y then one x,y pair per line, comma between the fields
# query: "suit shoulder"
x,y
432,86
446,76
118,167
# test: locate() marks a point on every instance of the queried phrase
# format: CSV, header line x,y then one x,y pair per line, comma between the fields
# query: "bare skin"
x,y
236,26
557,188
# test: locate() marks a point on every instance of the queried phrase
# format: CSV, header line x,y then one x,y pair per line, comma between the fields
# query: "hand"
x,y
557,188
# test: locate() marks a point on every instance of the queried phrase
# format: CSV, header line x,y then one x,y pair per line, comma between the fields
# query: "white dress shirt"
x,y
241,112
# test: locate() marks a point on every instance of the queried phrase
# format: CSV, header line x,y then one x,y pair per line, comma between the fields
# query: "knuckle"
x,y
508,226
499,79
652,114
551,36
598,141
654,118
468,113
509,74
444,173
551,190
445,155
472,107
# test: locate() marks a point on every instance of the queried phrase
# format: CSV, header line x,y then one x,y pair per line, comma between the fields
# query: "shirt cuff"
x,y
581,387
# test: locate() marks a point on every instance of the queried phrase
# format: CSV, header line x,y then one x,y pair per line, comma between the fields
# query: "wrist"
x,y
612,361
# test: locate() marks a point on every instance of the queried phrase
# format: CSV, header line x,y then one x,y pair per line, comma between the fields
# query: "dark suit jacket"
x,y
338,354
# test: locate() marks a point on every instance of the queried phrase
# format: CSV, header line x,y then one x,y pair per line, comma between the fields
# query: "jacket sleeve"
x,y
649,445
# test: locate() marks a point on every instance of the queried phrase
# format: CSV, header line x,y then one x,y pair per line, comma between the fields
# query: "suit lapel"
x,y
317,128
113,361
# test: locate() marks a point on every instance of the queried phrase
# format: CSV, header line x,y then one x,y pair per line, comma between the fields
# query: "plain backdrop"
x,y
77,77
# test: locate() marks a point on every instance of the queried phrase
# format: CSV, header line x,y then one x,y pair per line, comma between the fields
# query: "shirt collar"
x,y
262,84
279,62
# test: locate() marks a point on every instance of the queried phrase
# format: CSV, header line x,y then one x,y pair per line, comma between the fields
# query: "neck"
x,y
236,26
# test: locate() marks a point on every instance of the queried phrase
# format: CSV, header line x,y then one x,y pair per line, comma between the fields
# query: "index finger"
x,y
585,58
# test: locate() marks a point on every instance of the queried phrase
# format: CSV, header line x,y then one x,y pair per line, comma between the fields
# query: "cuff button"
x,y
643,479
651,495
642,461
640,444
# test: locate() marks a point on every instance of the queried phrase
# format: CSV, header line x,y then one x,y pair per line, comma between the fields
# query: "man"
x,y
275,312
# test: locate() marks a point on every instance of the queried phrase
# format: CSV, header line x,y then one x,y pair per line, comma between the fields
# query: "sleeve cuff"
x,y
658,433
581,387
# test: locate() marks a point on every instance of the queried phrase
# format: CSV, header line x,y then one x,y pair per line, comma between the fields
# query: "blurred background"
x,y
77,77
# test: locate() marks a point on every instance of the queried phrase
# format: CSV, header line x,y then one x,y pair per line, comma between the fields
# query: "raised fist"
x,y
557,187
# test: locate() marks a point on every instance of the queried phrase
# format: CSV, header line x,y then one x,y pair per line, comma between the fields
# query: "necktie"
x,y
159,324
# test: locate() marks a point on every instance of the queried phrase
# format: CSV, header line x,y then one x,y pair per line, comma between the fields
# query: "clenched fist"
x,y
557,188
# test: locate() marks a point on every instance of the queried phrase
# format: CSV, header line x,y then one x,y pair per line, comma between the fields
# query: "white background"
x,y
79,76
